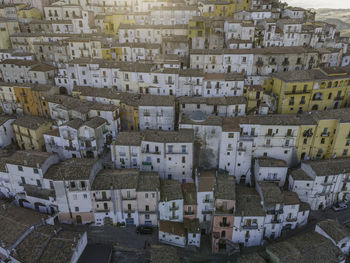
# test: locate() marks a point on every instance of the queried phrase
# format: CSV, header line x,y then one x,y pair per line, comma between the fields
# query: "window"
x,y
83,185
183,159
72,184
38,183
183,148
170,148
345,152
146,195
20,168
146,216
36,171
75,197
85,196
76,209
147,208
23,180
231,135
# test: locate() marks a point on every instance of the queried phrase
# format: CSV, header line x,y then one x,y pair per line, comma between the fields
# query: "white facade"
x,y
6,132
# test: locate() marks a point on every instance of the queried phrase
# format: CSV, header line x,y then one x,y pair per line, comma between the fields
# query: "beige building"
x,y
29,132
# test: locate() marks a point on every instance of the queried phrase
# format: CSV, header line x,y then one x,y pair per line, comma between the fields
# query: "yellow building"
x,y
129,112
307,90
325,135
32,98
29,13
111,22
29,132
254,95
7,28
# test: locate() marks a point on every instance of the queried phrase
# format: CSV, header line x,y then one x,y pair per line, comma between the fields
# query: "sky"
x,y
320,3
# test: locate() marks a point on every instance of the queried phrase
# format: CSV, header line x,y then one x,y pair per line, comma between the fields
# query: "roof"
x,y
5,118
101,253
95,122
290,198
116,178
71,169
234,100
330,167
271,193
192,225
251,258
157,100
271,162
47,243
175,228
248,202
307,247
14,221
75,123
128,138
299,174
170,190
31,122
148,181
189,193
200,118
312,75
206,181
42,67
32,159
334,229
225,187
164,254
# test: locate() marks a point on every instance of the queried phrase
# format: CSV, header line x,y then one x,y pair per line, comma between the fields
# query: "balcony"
x,y
326,183
189,213
275,212
339,98
82,138
222,224
325,134
147,212
129,198
207,211
128,211
102,210
221,210
291,219
252,226
102,199
276,221
241,149
146,163
173,208
208,200
122,154
173,217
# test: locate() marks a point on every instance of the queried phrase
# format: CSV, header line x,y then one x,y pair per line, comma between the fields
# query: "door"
x,y
104,196
78,219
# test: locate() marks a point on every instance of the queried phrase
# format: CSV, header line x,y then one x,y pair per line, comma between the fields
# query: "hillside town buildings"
x,y
225,119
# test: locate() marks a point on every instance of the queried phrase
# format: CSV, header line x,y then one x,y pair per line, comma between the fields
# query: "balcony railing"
x,y
174,217
174,208
102,210
208,200
325,134
102,199
129,198
252,226
291,219
189,213
222,224
127,210
146,163
207,211
275,221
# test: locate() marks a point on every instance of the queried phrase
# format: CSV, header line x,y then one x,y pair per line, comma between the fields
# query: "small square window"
x,y
20,168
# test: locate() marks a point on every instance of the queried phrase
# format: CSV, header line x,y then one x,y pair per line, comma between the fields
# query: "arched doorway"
x,y
315,107
63,91
78,219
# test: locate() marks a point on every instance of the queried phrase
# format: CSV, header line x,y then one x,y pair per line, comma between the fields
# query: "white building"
x,y
156,113
270,169
72,180
205,181
6,132
337,233
170,153
171,203
321,183
249,219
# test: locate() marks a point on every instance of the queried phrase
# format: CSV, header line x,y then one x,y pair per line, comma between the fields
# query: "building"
x,y
205,182
72,180
223,216
170,153
270,169
29,132
249,219
321,183
171,204
7,136
337,233
316,89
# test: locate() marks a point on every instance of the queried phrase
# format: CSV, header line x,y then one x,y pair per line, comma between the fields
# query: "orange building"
x,y
32,98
